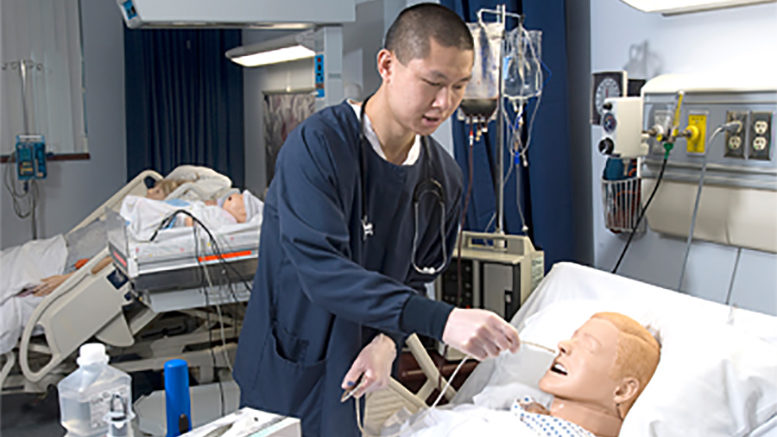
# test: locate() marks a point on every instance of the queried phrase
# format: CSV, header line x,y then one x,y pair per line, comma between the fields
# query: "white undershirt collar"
x,y
372,137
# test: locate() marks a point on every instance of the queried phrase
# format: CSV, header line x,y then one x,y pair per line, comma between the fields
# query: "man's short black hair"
x,y
409,35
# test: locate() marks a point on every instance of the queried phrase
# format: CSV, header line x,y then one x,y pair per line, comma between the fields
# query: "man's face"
x,y
582,370
425,92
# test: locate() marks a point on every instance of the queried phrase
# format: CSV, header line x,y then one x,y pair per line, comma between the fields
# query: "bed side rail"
x,y
85,305
136,186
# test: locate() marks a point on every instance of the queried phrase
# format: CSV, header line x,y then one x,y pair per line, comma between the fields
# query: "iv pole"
x,y
30,187
502,14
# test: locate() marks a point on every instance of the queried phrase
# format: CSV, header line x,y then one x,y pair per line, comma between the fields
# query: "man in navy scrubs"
x,y
344,255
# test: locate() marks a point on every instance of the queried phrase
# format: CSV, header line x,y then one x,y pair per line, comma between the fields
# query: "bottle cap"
x,y
92,353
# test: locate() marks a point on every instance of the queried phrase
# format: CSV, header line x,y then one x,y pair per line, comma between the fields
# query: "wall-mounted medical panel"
x,y
235,13
738,204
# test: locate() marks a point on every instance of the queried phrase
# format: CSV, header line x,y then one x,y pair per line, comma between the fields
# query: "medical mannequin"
x,y
163,187
595,378
233,210
234,204
600,372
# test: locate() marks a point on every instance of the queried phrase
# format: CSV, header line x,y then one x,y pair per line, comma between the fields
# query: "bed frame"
x,y
97,303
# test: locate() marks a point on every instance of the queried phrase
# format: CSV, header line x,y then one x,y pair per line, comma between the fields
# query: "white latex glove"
x,y
479,333
374,366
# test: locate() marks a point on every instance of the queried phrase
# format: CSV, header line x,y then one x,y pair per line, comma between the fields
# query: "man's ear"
x,y
385,64
626,390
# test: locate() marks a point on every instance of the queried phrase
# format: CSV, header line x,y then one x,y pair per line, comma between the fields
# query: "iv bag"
x,y
523,64
482,92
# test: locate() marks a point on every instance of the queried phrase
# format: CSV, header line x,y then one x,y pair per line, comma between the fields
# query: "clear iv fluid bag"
x,y
523,64
482,92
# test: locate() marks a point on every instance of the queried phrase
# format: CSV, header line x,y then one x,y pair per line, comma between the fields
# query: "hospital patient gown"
x,y
468,420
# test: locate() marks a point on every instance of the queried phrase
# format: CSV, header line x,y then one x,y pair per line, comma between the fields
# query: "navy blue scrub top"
x,y
321,292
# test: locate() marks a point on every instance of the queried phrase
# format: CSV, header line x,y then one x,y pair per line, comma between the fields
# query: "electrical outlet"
x,y
736,140
761,135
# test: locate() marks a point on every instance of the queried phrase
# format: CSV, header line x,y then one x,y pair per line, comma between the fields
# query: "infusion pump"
x,y
498,272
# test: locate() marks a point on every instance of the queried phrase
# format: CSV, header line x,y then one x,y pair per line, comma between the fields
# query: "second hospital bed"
x,y
717,375
101,302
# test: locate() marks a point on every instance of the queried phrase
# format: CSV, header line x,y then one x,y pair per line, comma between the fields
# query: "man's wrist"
x,y
384,340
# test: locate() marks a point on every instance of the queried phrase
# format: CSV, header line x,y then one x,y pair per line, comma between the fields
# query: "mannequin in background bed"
x,y
161,189
234,205
146,217
599,373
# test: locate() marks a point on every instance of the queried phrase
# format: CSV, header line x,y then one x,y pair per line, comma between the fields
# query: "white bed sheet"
x,y
717,375
23,267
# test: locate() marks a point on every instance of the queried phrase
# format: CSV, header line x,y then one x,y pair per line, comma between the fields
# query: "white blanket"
x,y
144,216
23,267
14,314
468,420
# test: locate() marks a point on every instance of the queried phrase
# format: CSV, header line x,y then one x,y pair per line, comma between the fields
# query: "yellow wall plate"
x,y
697,124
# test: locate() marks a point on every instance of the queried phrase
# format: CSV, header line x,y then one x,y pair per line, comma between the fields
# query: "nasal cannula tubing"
x,y
442,392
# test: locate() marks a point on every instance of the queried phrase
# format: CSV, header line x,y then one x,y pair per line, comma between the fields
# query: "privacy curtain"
x,y
184,101
545,186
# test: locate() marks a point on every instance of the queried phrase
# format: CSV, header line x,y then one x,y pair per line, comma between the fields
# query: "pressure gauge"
x,y
605,84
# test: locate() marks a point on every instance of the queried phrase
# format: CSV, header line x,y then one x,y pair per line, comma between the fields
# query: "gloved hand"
x,y
374,366
479,333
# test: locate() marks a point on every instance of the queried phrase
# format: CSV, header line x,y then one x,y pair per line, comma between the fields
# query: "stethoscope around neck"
x,y
428,186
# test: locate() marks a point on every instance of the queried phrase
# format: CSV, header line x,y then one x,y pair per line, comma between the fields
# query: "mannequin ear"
x,y
385,63
626,390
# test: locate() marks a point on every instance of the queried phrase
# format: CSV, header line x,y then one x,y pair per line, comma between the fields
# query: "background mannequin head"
x,y
235,205
600,372
162,188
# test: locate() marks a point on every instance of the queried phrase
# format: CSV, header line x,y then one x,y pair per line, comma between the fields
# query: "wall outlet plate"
x,y
736,141
760,136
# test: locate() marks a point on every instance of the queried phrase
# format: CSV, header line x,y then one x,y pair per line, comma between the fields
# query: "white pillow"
x,y
712,380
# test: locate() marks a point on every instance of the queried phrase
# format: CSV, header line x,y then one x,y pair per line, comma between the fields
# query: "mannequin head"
x,y
235,205
162,188
600,372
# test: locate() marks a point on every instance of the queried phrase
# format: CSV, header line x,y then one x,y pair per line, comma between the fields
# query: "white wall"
x,y
730,41
74,188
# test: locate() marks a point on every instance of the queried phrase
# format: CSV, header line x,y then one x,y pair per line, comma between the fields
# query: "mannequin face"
x,y
155,192
582,371
235,206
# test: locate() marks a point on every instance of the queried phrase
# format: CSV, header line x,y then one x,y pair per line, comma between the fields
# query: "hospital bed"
x,y
99,302
717,375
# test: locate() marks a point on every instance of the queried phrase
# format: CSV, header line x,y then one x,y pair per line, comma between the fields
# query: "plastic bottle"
x,y
85,395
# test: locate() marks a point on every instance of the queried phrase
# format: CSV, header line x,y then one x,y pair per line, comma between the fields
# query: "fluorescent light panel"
x,y
276,56
685,6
